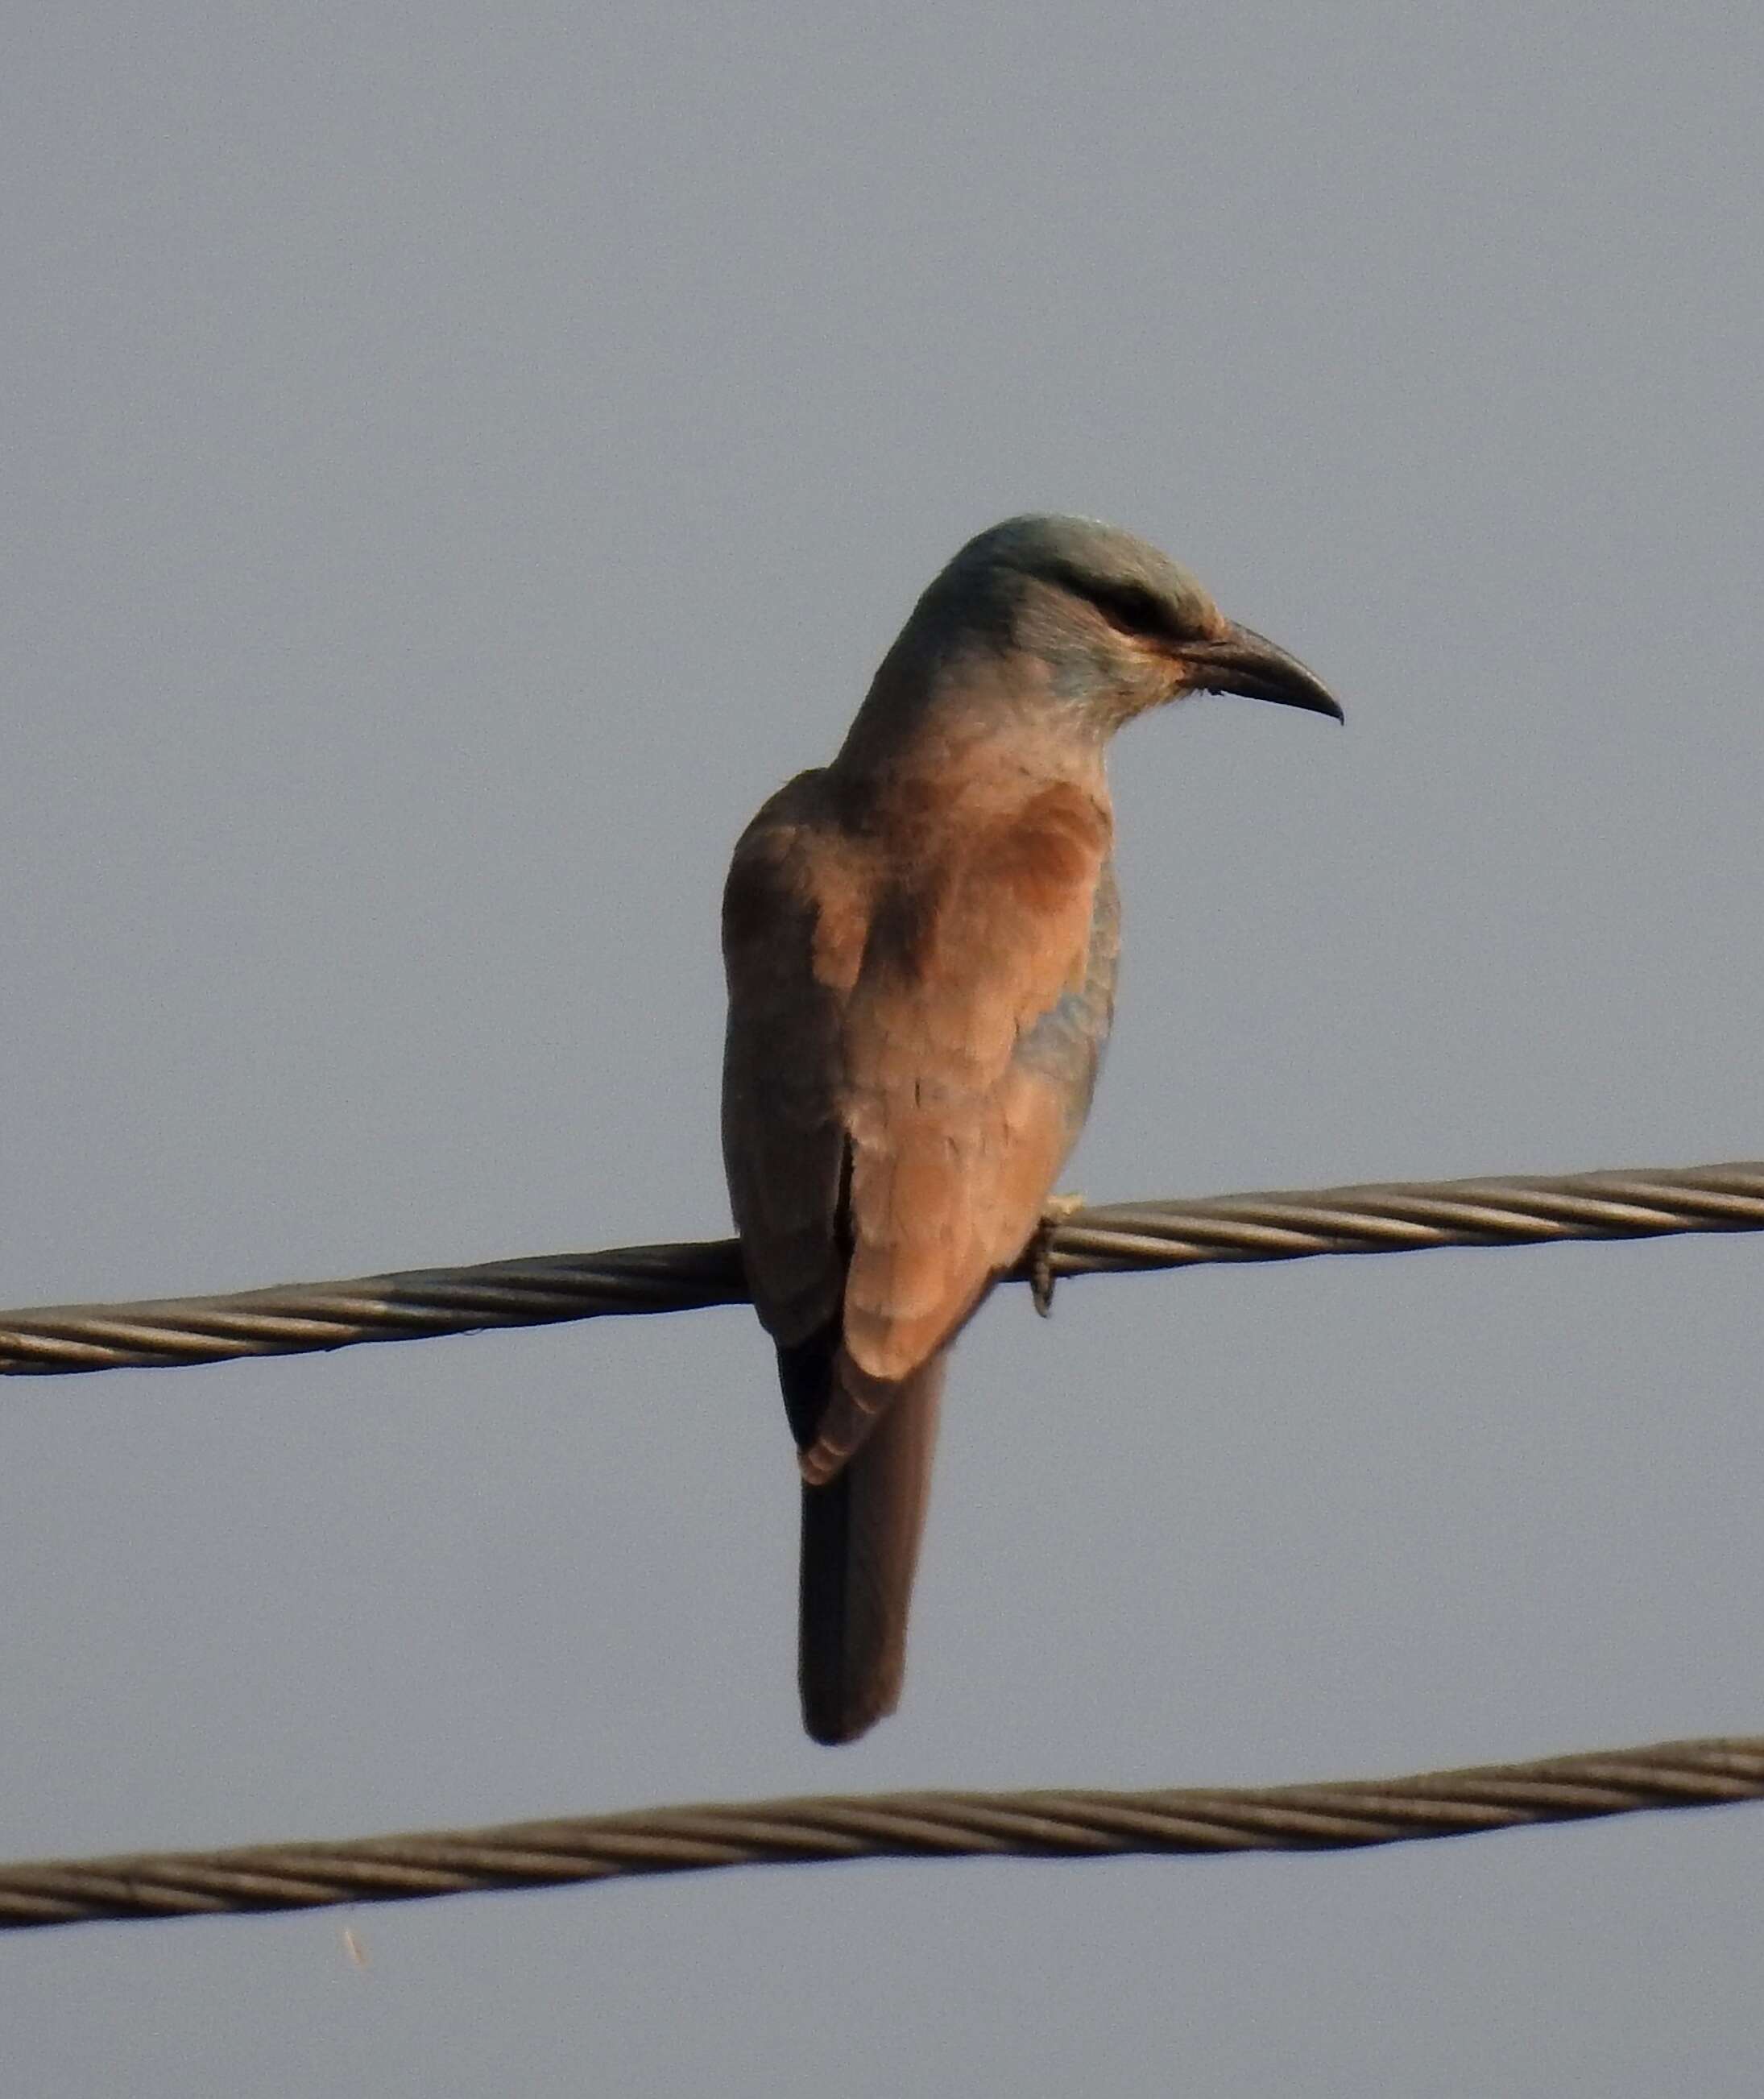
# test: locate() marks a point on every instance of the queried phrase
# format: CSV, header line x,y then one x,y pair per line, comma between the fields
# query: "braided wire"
x,y
1349,1814
1381,1217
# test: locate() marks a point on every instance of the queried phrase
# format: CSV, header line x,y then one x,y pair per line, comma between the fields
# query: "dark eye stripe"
x,y
1134,609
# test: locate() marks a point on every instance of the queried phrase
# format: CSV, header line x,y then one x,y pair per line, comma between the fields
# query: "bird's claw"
x,y
1056,1209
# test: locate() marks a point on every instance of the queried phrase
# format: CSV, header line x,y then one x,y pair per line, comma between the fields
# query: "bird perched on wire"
x,y
920,942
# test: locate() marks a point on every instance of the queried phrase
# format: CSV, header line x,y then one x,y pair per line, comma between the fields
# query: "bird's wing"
x,y
796,923
788,905
971,1045
908,1062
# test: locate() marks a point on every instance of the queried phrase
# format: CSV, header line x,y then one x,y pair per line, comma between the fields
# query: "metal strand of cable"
x,y
1383,1217
1351,1813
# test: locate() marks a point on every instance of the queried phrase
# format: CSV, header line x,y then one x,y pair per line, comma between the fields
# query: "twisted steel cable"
x,y
1382,1217
1349,1814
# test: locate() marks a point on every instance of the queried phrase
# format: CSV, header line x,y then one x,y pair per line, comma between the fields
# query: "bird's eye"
x,y
1134,609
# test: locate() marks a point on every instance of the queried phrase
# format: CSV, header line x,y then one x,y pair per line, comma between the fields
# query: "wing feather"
x,y
914,1027
784,1137
960,1107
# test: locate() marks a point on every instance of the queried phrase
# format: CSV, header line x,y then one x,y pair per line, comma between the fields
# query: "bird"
x,y
920,940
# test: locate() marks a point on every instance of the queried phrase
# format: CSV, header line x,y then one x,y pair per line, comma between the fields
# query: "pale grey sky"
x,y
458,462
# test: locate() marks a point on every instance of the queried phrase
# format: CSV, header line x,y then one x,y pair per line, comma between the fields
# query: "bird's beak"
x,y
1243,660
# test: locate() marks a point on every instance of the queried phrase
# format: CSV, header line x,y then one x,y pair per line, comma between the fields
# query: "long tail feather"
x,y
860,1548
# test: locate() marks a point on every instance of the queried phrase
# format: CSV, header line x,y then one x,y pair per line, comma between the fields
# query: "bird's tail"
x,y
861,1548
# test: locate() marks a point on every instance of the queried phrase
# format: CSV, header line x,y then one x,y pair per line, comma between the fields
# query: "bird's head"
x,y
1122,628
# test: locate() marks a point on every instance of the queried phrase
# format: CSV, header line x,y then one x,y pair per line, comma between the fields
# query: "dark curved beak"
x,y
1248,663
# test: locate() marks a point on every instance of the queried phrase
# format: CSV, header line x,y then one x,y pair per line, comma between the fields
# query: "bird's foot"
x,y
1054,1213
